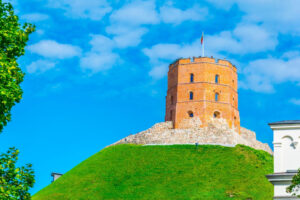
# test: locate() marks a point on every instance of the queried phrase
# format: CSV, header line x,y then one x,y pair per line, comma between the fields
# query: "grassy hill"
x,y
166,172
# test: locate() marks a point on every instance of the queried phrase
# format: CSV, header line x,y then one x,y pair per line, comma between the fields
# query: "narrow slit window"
x,y
191,78
191,95
216,96
217,78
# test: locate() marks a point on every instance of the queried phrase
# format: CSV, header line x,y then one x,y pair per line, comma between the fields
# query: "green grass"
x,y
166,172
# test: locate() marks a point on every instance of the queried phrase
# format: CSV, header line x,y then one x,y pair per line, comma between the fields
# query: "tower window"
x,y
217,114
217,77
191,114
172,100
216,96
171,114
191,95
191,78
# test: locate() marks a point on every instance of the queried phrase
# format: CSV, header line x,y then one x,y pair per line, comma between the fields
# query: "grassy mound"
x,y
166,172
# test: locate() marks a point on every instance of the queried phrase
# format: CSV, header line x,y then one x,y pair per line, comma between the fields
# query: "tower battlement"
x,y
182,61
203,87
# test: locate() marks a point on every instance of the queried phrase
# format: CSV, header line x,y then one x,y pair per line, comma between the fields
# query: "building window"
x,y
234,118
191,114
191,78
171,114
172,100
191,95
216,96
217,77
217,114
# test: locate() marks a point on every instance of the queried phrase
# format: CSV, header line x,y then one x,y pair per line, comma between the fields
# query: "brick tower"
x,y
204,88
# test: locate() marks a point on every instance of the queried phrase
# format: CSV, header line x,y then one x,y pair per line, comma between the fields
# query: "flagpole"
x,y
203,45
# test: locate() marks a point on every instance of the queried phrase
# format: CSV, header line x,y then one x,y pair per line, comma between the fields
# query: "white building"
x,y
286,156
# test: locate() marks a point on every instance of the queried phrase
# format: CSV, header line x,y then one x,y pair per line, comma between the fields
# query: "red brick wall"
x,y
204,88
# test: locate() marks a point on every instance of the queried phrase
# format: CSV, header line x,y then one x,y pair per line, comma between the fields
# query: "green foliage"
x,y
167,172
295,186
14,181
13,38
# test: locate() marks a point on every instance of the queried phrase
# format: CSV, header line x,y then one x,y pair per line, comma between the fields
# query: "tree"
x,y
13,38
14,181
295,186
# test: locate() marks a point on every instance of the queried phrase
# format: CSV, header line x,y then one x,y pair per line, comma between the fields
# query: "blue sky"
x,y
96,70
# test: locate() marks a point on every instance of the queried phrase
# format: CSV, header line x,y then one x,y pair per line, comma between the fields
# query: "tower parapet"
x,y
203,87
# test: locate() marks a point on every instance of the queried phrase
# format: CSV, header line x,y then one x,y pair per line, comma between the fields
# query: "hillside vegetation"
x,y
166,172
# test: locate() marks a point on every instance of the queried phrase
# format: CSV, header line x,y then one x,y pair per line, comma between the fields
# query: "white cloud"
x,y
40,66
52,49
174,15
35,17
91,9
244,39
163,52
291,54
279,16
131,38
161,55
136,13
159,72
295,101
127,23
96,62
101,56
101,43
261,75
126,36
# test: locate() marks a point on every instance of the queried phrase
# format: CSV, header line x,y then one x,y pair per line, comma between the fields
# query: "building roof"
x,y
285,122
54,173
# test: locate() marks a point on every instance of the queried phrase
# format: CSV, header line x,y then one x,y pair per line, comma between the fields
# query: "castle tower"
x,y
204,88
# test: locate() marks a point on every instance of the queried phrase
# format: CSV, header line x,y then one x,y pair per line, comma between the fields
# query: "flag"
x,y
202,38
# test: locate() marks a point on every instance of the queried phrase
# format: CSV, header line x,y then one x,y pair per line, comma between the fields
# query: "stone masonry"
x,y
216,132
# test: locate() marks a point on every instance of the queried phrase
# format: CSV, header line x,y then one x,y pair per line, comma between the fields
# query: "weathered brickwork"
x,y
217,131
180,106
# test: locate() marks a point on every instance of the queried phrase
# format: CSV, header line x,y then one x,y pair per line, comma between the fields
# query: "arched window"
x,y
171,114
217,77
191,114
191,78
217,114
216,96
172,100
191,95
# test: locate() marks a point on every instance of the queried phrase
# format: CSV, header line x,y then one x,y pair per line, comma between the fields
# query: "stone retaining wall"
x,y
217,132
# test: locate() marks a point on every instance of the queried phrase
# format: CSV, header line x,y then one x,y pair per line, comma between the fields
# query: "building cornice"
x,y
284,126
